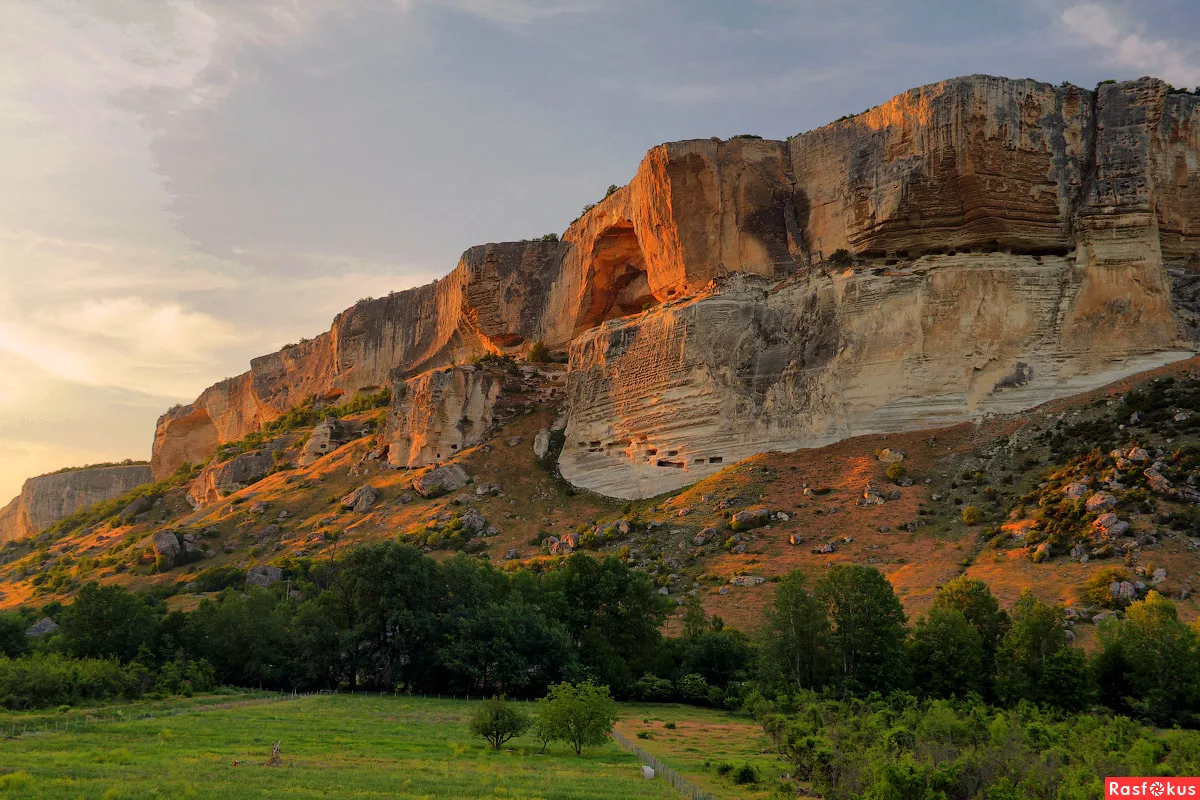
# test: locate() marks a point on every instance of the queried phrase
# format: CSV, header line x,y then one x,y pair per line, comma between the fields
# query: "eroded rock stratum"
x,y
46,499
1010,241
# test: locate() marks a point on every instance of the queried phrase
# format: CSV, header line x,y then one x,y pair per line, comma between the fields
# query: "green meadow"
x,y
332,746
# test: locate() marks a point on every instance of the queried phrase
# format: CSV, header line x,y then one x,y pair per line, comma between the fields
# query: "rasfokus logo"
x,y
1151,787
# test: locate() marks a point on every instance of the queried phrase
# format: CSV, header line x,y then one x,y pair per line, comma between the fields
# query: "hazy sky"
x,y
185,184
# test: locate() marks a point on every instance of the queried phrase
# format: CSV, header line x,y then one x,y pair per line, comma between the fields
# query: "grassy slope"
x,y
333,746
534,504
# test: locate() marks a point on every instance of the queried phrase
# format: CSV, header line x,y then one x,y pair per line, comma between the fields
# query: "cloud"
x,y
516,15
1126,44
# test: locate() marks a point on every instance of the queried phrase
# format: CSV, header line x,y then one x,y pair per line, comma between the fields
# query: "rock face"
x,y
441,480
218,480
46,499
1007,241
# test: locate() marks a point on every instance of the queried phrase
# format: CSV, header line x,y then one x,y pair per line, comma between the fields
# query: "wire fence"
x,y
661,770
85,720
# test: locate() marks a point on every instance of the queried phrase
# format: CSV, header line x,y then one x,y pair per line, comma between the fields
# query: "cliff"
x,y
1009,242
46,499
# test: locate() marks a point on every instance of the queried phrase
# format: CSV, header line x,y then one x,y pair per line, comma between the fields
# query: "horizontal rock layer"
x,y
1008,233
46,499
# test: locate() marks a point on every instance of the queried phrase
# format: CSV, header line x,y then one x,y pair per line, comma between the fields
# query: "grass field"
x,y
333,746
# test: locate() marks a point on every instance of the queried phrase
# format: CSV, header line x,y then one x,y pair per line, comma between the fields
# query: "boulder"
x,y
888,456
1041,553
1110,525
750,518
1157,482
1122,591
440,480
747,580
139,506
1158,576
41,628
1100,502
510,554
1075,490
263,575
258,507
473,521
1137,455
541,443
564,546
795,539
361,499
166,546
825,549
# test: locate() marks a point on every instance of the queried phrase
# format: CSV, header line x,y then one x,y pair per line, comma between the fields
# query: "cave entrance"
x,y
619,284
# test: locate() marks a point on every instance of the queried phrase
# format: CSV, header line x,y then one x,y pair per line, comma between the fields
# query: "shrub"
x,y
971,515
745,775
724,768
895,472
539,353
841,258
1097,590
498,720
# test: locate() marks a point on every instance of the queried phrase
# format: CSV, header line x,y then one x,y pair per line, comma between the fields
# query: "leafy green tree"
x,y
1158,658
13,641
975,600
946,654
107,622
868,628
245,637
794,638
581,714
507,646
612,614
1035,660
498,720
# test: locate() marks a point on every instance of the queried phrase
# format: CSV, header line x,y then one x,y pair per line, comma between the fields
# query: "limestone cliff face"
x,y
439,413
1004,231
46,499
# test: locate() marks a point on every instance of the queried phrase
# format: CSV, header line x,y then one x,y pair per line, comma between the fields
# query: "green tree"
x,y
868,633
1159,661
508,646
13,641
946,654
498,720
974,599
794,638
612,614
580,714
1035,660
107,622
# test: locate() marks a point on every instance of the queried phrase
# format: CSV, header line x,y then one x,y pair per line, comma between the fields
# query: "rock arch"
x,y
618,283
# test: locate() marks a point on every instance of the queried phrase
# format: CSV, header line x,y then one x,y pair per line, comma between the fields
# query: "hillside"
x,y
698,373
1011,467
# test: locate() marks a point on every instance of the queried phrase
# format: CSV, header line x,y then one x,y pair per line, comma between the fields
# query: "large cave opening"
x,y
619,285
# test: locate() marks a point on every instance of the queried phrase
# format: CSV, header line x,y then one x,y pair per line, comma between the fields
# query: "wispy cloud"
x,y
1126,44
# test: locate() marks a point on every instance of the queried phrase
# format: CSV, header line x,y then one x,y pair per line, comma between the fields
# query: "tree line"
x,y
385,616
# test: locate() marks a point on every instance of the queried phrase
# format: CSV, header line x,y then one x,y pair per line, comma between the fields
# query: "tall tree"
x,y
107,622
13,641
974,599
581,714
868,628
795,635
946,654
1035,660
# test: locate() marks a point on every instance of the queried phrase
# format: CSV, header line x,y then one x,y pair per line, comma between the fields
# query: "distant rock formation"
x,y
980,244
46,499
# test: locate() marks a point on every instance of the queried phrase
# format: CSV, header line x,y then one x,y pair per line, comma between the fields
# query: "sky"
x,y
186,184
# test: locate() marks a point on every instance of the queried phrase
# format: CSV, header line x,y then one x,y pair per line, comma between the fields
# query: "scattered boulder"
x,y
825,549
564,546
888,456
328,435
513,441
361,499
473,521
1157,482
1100,502
724,590
1111,525
541,443
704,536
263,576
1075,490
747,580
166,546
440,480
1158,576
750,518
1041,553
42,627
1103,615
795,539
258,507
487,489
510,554
1137,455
1122,591
139,506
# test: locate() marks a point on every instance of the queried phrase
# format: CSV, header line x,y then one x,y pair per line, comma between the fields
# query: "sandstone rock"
x,y
328,435
1158,577
510,554
747,580
445,411
1122,591
541,443
166,546
42,627
139,506
1075,490
263,576
749,519
220,479
1041,553
361,499
1157,482
703,536
258,507
1100,502
828,547
46,499
889,456
440,480
1137,455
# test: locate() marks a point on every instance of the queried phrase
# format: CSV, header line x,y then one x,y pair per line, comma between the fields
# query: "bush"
x,y
895,472
693,688
841,258
1097,590
539,353
971,515
724,768
745,775
498,720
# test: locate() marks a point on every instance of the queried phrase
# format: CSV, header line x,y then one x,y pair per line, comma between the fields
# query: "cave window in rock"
x,y
619,284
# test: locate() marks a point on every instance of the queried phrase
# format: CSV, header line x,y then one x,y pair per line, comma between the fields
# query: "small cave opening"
x,y
619,284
